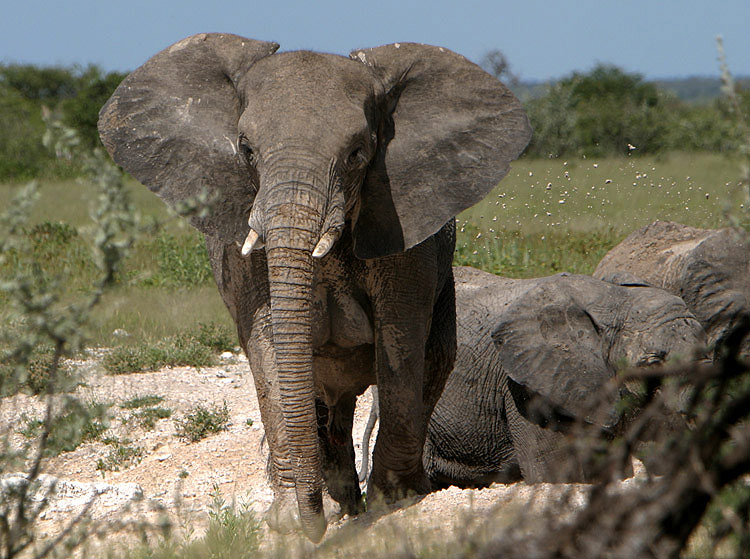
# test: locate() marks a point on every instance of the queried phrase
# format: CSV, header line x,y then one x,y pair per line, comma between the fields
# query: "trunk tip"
x,y
315,528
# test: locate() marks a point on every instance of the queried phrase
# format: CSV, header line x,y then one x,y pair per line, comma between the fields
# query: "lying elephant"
x,y
554,342
708,268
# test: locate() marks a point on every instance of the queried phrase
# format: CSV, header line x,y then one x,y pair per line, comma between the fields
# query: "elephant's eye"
x,y
247,152
356,157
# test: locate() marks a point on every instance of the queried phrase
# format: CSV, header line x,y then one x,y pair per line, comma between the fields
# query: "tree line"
x,y
75,95
601,112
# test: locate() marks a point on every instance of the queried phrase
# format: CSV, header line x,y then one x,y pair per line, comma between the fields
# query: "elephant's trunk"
x,y
294,218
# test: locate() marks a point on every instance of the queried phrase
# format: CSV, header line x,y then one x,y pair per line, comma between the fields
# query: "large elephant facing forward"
x,y
339,178
534,356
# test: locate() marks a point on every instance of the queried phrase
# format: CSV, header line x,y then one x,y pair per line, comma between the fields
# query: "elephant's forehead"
x,y
306,95
305,80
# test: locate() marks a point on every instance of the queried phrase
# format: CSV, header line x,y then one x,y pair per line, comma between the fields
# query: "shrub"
x,y
598,113
79,423
142,402
216,336
175,351
202,421
181,261
121,455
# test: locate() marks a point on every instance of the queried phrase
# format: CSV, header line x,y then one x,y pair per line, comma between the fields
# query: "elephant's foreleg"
x,y
335,434
440,353
402,330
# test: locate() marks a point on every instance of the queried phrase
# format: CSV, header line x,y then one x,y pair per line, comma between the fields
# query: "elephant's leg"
x,y
440,353
335,434
402,313
543,454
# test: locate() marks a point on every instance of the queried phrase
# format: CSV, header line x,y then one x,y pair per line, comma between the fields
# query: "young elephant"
x,y
331,184
555,341
708,268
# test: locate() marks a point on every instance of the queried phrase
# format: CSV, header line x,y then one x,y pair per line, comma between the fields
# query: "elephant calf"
x,y
708,268
555,340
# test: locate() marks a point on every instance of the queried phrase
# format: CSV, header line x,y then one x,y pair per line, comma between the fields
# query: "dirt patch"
x,y
176,477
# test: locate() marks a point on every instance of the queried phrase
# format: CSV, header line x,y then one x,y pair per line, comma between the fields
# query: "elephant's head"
x,y
655,327
565,338
294,147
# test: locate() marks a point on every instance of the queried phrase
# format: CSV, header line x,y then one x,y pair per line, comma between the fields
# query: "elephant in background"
x,y
534,356
331,186
708,268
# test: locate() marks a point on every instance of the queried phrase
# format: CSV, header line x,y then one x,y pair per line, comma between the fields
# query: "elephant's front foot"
x,y
283,516
391,485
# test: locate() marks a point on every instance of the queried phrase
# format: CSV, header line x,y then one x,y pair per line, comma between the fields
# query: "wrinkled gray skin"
x,y
341,176
534,355
708,268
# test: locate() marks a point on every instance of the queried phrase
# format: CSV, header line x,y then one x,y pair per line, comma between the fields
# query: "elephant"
x,y
534,357
326,187
708,268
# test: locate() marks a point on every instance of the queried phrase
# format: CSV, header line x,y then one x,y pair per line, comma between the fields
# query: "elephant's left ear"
x,y
551,349
449,134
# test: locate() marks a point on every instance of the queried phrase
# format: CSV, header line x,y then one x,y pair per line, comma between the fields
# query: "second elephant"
x,y
555,340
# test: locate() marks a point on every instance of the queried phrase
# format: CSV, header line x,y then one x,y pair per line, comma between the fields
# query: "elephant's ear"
x,y
172,124
449,133
552,350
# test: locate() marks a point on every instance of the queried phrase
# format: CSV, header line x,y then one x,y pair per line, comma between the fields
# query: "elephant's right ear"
x,y
448,134
550,347
172,124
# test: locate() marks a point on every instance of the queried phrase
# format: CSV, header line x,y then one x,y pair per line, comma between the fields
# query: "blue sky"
x,y
542,39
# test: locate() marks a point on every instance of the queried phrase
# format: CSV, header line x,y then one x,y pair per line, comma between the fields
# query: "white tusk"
x,y
250,242
325,243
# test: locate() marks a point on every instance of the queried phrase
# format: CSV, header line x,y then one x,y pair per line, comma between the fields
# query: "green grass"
x,y
233,532
142,401
196,347
549,216
546,216
202,421
122,453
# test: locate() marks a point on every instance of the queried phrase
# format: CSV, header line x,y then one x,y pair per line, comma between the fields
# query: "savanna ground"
x,y
157,380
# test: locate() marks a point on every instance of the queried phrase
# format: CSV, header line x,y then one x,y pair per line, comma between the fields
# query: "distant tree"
x,y
82,111
22,155
600,112
75,93
496,63
47,84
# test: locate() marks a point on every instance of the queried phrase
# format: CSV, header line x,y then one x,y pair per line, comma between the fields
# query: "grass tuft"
x,y
80,422
122,455
203,421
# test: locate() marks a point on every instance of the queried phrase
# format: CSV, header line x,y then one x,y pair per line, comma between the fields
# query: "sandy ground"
x,y
177,478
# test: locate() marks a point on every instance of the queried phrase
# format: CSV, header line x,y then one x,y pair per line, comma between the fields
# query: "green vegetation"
x,y
554,215
202,421
187,349
145,410
121,455
80,422
233,532
141,401
608,111
26,93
